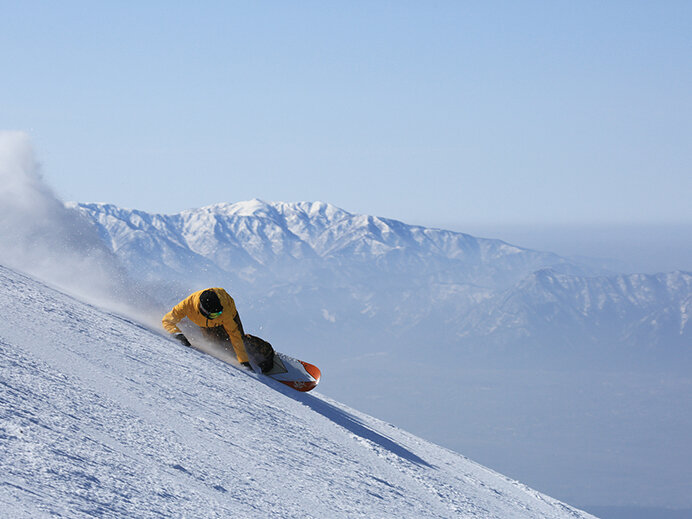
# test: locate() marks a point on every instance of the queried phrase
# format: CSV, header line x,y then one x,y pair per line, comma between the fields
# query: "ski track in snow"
x,y
101,417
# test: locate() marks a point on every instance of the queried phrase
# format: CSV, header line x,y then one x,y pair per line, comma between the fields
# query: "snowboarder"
x,y
214,311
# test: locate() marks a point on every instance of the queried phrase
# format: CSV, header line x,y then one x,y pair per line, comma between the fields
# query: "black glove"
x,y
246,365
183,340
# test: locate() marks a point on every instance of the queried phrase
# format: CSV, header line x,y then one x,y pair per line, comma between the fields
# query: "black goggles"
x,y
210,315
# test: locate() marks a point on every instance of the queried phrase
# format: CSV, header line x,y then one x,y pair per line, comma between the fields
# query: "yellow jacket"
x,y
189,307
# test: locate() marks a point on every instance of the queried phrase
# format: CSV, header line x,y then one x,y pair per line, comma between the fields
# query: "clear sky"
x,y
430,112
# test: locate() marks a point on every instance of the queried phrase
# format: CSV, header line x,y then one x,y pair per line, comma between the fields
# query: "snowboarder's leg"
x,y
260,352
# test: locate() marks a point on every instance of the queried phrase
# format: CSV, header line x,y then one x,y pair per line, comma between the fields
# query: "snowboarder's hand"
x,y
183,340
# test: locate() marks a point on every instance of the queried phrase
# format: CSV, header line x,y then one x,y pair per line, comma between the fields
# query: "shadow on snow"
x,y
347,421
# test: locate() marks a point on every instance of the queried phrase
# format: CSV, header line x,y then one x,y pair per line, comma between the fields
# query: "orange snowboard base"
x,y
295,373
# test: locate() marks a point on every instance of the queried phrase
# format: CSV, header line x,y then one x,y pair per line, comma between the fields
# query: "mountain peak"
x,y
255,207
258,208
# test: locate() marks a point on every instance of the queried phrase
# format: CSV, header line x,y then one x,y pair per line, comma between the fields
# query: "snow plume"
x,y
42,237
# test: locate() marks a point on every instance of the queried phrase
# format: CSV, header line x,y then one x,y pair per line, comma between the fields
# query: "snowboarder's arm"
x,y
236,319
172,318
232,325
235,333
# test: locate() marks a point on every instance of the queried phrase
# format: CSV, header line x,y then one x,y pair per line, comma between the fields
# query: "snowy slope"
x,y
102,417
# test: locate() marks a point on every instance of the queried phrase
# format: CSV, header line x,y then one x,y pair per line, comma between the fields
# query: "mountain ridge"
x,y
293,227
401,275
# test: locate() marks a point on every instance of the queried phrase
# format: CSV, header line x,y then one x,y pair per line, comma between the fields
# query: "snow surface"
x,y
102,417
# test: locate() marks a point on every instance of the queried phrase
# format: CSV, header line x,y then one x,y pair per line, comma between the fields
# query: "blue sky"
x,y
445,113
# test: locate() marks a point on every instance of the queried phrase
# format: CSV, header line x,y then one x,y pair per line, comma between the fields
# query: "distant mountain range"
x,y
313,269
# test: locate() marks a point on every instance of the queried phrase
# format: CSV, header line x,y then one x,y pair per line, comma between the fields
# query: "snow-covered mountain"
x,y
102,417
573,380
313,262
623,314
292,239
494,350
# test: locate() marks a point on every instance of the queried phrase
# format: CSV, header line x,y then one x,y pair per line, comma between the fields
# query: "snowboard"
x,y
295,373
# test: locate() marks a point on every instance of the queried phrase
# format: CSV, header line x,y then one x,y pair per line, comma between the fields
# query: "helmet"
x,y
210,305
